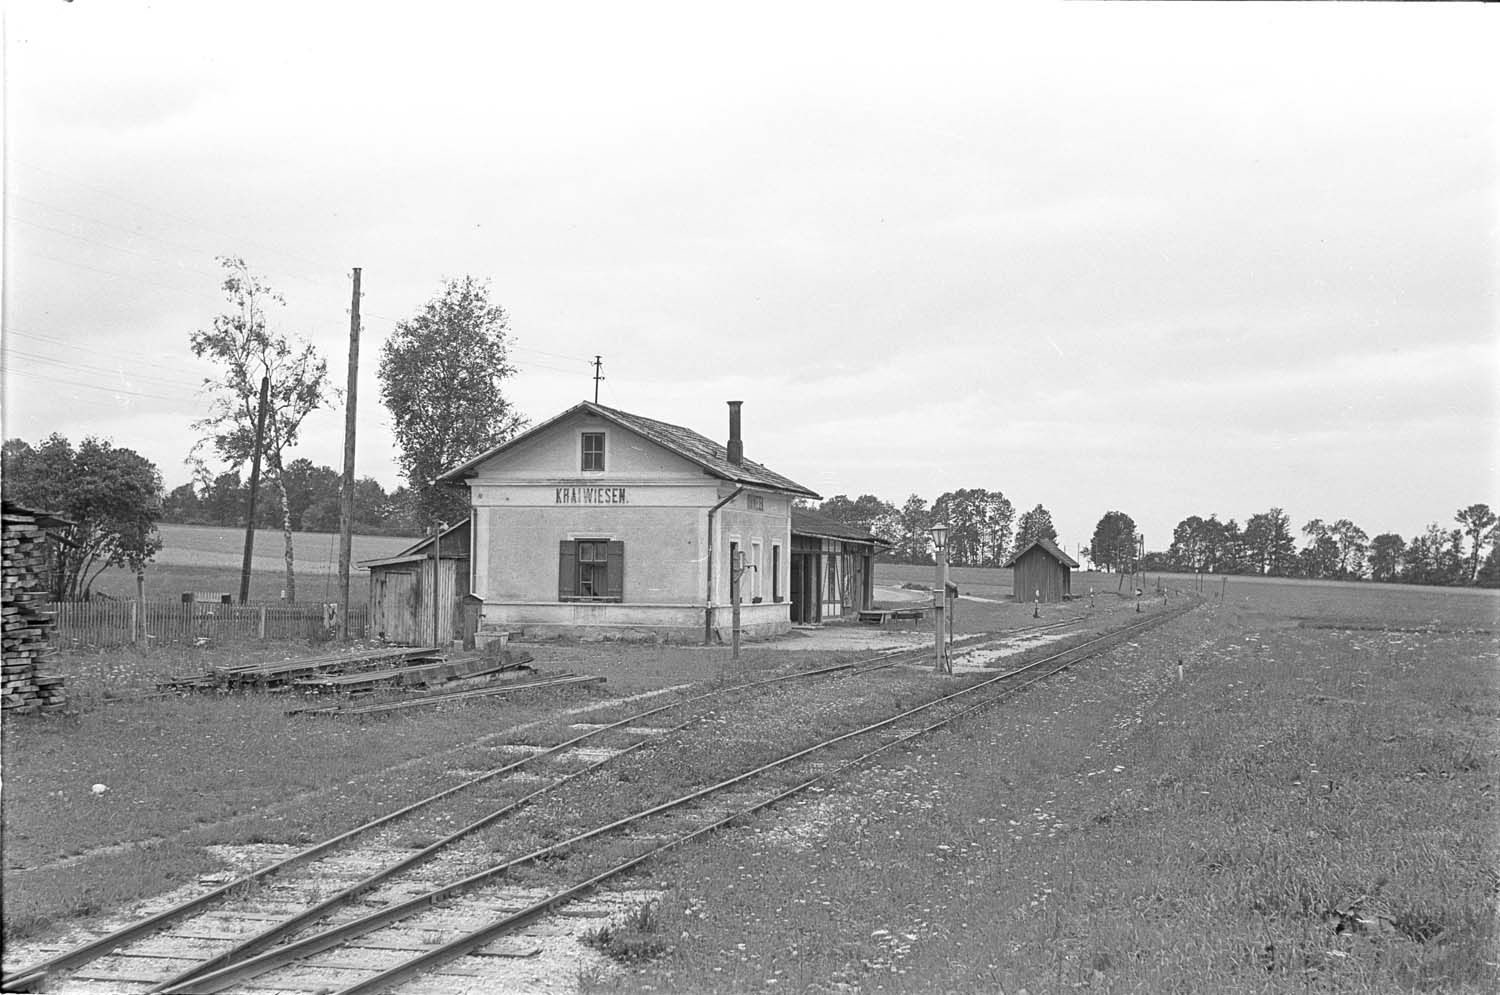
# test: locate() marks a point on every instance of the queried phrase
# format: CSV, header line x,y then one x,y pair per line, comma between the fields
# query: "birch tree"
x,y
241,343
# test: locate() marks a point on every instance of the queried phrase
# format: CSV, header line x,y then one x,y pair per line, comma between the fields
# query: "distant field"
x,y
207,559
1301,600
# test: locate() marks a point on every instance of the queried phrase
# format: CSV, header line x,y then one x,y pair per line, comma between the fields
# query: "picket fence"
x,y
97,624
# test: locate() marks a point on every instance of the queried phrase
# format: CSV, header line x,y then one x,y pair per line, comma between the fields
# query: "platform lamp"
x,y
939,533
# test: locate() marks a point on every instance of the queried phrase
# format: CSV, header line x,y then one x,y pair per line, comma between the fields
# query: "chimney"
x,y
736,447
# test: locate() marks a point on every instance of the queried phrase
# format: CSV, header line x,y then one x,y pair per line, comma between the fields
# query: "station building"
x,y
603,522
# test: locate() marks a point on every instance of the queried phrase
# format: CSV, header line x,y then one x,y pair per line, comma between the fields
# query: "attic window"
x,y
593,451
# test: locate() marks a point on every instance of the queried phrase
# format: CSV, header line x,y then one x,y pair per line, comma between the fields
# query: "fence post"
x,y
262,622
138,610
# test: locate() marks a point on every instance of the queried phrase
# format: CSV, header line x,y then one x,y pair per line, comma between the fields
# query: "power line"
x,y
116,275
107,245
155,209
64,343
83,385
135,233
72,365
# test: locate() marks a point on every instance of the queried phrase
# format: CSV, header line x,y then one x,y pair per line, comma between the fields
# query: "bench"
x,y
880,616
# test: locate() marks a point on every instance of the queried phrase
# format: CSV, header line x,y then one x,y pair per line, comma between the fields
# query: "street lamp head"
x,y
939,533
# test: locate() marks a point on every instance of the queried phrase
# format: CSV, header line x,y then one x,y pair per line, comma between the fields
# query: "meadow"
x,y
1310,806
206,559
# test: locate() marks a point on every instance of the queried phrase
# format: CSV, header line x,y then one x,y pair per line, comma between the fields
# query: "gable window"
x,y
590,570
593,451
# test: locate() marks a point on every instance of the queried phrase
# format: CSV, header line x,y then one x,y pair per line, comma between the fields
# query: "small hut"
x,y
1042,571
403,609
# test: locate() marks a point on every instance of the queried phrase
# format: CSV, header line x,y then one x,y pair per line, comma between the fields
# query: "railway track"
x,y
388,910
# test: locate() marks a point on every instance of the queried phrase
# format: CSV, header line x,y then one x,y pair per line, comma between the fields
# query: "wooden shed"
x,y
833,568
1041,571
403,609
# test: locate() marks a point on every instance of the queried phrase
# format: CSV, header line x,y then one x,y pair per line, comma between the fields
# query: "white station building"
x,y
603,522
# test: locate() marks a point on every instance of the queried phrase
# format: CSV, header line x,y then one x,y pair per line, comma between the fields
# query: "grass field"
x,y
1311,807
207,559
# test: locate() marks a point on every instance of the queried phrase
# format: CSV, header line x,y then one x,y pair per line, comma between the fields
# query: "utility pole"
x,y
260,434
346,494
736,571
598,375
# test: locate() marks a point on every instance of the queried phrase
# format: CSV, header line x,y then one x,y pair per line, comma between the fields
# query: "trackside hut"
x,y
406,606
603,522
1041,570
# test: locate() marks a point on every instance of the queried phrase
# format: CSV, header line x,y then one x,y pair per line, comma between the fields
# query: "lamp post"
x,y
939,533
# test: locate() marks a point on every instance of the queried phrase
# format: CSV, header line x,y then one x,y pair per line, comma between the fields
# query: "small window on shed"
x,y
593,451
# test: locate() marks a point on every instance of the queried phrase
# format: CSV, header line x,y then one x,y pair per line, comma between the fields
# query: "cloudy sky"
x,y
1167,259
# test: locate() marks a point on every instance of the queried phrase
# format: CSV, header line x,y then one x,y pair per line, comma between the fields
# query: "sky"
x,y
1166,259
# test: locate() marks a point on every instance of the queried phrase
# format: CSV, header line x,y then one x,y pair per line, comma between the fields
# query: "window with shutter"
x,y
590,570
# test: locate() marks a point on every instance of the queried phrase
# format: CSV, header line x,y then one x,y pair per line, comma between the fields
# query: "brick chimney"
x,y
736,447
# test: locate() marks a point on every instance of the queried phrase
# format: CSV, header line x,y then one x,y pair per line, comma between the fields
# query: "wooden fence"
x,y
95,624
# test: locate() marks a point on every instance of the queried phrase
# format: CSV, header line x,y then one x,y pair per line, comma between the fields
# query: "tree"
x,y
441,374
1434,557
1478,523
1320,558
1192,544
1386,551
182,505
1034,524
1269,547
112,497
244,346
1489,572
1114,544
1353,544
913,521
308,487
979,525
868,512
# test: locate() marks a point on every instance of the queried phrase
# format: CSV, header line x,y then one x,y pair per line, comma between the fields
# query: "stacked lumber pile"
x,y
26,689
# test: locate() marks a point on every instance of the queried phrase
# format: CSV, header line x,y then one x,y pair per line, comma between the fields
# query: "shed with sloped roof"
x,y
417,596
1040,571
832,569
599,521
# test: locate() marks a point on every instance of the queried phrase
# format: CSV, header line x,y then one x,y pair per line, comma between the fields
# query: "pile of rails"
x,y
357,673
26,688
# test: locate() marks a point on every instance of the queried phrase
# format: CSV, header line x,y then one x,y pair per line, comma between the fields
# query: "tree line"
x,y
310,500
984,531
1338,550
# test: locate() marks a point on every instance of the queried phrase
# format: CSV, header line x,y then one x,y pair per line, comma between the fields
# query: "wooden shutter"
x,y
567,570
616,576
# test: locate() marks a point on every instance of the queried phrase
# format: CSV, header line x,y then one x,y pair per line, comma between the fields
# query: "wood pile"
x,y
26,688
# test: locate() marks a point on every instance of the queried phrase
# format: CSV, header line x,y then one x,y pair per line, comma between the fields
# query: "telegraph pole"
x,y
598,375
260,434
346,494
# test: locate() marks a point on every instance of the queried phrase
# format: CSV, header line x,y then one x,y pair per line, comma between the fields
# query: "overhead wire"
x,y
158,210
176,267
72,365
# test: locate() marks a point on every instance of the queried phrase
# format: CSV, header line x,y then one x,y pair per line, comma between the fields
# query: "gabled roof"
x,y
1049,547
820,526
712,456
